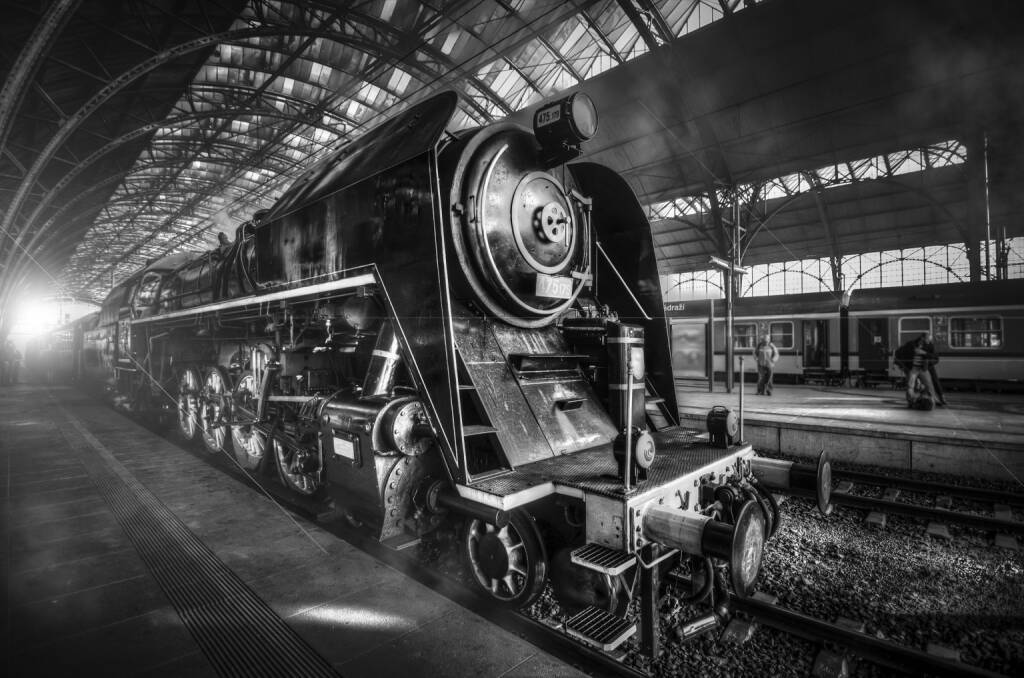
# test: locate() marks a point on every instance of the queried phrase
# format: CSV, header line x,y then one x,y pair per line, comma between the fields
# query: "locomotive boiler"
x,y
431,327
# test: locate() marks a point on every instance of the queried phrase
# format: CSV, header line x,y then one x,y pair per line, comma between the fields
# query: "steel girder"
x,y
177,242
20,77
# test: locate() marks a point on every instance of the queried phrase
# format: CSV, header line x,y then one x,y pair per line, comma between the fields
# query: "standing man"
x,y
766,354
919,372
932,358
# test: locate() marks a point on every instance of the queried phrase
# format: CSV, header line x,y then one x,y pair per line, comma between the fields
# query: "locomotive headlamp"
x,y
563,125
740,544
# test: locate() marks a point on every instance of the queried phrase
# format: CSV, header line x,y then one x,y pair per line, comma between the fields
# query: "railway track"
x,y
911,484
1001,521
547,634
882,652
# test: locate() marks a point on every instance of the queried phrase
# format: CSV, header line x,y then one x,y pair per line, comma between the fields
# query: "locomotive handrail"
x,y
334,285
625,285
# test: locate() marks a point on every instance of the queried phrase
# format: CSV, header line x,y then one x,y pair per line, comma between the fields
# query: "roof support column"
x,y
977,204
835,259
731,250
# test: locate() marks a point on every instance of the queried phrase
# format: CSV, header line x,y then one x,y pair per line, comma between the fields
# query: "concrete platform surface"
x,y
124,554
977,434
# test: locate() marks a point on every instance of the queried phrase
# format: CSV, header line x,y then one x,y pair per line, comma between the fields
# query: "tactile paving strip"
x,y
238,632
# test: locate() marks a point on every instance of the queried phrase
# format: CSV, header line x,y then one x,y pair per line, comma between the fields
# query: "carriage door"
x,y
816,353
873,343
689,350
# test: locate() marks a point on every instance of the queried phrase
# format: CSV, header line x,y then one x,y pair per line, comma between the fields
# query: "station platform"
x,y
977,435
127,555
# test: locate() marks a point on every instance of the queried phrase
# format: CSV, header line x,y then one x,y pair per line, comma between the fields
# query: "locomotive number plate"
x,y
553,286
546,116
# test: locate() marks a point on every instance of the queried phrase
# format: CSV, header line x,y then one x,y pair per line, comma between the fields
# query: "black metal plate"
x,y
680,453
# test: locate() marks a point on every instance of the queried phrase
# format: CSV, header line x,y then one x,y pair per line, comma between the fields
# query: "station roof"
x,y
134,129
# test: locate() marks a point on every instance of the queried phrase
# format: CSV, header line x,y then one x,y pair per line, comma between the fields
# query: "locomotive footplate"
x,y
594,472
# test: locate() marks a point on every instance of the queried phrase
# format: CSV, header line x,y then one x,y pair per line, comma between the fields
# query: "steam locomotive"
x,y
432,326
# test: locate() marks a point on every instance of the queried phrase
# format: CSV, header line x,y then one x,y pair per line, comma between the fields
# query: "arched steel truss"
x,y
43,223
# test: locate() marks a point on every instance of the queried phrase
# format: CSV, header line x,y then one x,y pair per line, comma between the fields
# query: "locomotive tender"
x,y
432,327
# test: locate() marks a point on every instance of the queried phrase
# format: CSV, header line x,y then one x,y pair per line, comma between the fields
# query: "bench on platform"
x,y
821,375
873,378
876,373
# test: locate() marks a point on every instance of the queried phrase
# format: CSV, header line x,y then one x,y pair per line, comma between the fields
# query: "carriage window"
x,y
744,335
782,334
913,327
976,332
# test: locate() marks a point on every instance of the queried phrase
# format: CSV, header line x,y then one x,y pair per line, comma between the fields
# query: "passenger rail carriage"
x,y
977,329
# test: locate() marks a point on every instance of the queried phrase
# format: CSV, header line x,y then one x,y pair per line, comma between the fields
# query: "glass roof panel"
x,y
263,108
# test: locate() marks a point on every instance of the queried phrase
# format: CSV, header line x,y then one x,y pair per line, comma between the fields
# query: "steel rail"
x,y
973,493
926,512
882,652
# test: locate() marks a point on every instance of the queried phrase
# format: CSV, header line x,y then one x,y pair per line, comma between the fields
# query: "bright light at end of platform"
x,y
35,317
30,320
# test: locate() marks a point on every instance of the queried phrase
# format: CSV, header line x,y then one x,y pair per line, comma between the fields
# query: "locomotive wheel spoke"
x,y
290,472
188,405
247,441
212,409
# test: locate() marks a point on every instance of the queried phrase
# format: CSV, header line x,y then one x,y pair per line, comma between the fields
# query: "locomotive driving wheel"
x,y
248,441
188,403
299,469
509,563
213,405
